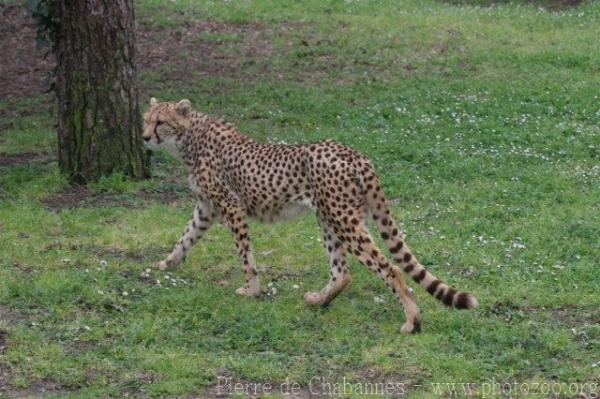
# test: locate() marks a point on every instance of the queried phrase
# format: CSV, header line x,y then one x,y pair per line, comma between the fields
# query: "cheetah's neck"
x,y
205,137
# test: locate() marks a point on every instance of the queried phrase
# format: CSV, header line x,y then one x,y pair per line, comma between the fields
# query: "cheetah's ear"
x,y
184,107
153,102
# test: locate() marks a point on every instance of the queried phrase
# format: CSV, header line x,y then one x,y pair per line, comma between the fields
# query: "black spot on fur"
x,y
397,248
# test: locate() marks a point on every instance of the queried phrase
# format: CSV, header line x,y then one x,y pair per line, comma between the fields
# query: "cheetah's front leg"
x,y
202,218
236,219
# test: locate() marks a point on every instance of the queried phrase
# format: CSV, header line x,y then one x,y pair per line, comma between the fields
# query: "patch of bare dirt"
x,y
568,315
118,253
82,197
191,49
274,275
12,317
70,197
3,336
80,346
5,378
134,386
36,389
162,196
25,158
201,48
122,254
23,69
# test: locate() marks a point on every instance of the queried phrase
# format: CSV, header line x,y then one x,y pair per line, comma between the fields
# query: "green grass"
x,y
483,123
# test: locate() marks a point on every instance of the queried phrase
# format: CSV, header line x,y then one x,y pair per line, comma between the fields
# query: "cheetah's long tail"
x,y
401,253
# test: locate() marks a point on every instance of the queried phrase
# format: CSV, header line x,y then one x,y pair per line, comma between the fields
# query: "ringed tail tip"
x,y
465,301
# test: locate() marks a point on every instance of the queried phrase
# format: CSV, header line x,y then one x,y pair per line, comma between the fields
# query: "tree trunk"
x,y
99,122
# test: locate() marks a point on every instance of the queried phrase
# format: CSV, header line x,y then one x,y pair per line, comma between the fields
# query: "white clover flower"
x,y
378,299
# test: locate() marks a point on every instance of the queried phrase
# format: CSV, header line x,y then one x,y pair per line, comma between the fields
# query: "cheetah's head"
x,y
166,120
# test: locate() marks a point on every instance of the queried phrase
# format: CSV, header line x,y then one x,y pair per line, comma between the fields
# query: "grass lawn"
x,y
484,124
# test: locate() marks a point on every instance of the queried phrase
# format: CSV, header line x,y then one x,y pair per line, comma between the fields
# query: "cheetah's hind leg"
x,y
362,245
339,274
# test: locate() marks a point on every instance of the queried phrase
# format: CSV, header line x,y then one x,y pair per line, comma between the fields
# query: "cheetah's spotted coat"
x,y
235,177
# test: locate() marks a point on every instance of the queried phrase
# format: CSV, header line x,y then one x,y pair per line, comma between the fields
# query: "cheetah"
x,y
235,178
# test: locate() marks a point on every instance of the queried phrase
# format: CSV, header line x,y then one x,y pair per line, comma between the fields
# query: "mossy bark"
x,y
99,124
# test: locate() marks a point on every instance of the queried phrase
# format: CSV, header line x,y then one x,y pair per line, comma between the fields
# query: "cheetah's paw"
x,y
411,327
313,298
165,265
247,291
